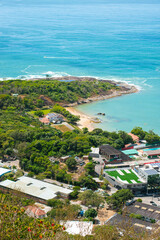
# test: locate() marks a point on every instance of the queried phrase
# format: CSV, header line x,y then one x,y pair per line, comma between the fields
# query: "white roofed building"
x,y
4,171
35,189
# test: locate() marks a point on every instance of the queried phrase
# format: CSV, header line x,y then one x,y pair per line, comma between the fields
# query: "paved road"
x,y
147,199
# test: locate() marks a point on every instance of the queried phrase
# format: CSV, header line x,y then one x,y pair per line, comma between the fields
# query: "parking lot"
x,y
149,199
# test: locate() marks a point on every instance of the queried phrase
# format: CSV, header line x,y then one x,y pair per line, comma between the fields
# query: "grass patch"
x,y
62,128
45,112
126,177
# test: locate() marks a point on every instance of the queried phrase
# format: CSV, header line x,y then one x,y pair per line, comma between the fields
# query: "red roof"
x,y
44,120
36,211
134,137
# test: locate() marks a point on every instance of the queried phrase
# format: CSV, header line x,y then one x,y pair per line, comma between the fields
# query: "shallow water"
x,y
108,39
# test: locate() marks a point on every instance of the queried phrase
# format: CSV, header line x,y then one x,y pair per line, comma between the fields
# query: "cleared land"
x,y
61,127
125,175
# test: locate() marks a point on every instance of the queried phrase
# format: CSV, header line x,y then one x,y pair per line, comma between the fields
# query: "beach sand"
x,y
85,120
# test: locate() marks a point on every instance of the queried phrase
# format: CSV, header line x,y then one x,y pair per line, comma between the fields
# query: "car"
x,y
154,204
151,202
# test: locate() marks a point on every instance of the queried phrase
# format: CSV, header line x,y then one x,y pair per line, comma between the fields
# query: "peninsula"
x,y
67,91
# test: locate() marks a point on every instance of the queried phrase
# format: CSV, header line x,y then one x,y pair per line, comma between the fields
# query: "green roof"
x,y
130,152
125,176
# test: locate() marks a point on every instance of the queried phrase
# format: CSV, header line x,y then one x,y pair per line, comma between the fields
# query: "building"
x,y
130,152
134,137
4,171
152,152
147,170
94,153
125,222
78,227
35,212
112,155
35,189
126,178
38,210
44,120
145,210
55,118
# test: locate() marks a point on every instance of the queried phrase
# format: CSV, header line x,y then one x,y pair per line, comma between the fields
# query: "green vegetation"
x,y
118,199
150,136
39,93
71,163
90,198
70,117
90,213
125,177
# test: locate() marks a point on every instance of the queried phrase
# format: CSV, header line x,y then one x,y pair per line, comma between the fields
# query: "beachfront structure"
x,y
35,189
125,178
55,118
4,171
112,155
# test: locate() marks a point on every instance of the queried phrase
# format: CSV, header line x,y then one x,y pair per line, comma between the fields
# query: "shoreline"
x,y
85,121
88,121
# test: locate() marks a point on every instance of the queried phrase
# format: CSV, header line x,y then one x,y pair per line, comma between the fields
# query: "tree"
x,y
151,137
91,198
105,184
154,181
71,163
139,132
90,213
90,168
118,199
39,113
55,203
88,181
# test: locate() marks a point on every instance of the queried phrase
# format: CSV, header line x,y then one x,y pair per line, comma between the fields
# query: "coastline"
x,y
88,121
85,120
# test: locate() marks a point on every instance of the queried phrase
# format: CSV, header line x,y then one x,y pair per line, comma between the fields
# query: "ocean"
x,y
118,40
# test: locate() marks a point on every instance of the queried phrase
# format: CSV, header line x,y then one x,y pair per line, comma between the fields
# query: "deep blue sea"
x,y
108,39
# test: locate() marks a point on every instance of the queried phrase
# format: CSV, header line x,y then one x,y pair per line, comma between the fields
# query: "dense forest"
x,y
32,94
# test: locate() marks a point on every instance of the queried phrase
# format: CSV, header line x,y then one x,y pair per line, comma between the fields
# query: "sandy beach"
x,y
88,121
85,120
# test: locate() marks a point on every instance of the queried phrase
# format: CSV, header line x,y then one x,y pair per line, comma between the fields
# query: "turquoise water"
x,y
102,38
151,149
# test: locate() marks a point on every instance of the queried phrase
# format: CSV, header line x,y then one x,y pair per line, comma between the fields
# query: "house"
x,y
35,189
63,159
55,118
94,153
35,212
44,120
78,227
112,155
38,210
134,137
